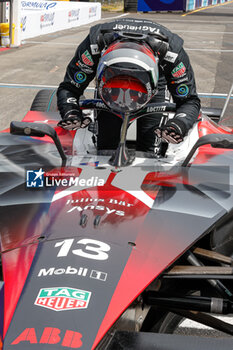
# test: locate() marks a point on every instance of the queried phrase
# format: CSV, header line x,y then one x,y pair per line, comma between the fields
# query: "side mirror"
x,y
38,130
215,140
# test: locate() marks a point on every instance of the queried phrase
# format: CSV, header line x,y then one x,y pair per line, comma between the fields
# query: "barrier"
x,y
160,5
194,4
44,17
175,5
5,34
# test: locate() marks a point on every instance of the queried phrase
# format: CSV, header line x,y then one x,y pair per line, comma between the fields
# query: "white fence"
x,y
43,17
38,17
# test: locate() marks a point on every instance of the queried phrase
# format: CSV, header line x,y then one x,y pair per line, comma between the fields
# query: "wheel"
x,y
161,321
45,101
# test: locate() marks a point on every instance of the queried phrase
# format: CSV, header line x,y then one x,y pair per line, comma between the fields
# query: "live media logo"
x,y
35,178
38,179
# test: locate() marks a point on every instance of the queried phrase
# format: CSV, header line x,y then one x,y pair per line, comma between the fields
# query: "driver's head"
x,y
127,75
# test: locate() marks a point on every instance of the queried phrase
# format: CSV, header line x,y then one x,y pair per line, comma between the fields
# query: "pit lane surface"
x,y
208,37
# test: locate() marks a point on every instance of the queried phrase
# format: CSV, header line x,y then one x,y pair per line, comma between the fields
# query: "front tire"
x,y
45,101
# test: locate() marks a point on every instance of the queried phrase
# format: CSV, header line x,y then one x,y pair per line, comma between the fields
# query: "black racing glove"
x,y
173,131
74,120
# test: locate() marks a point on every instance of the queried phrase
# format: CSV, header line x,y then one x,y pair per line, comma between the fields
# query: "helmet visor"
x,y
124,93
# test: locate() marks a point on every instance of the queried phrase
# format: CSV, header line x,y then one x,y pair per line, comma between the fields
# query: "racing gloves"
x,y
74,120
173,131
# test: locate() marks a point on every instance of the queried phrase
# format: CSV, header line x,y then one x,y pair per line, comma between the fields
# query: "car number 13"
x,y
91,248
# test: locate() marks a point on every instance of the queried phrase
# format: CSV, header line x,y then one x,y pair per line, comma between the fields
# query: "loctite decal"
x,y
63,298
50,336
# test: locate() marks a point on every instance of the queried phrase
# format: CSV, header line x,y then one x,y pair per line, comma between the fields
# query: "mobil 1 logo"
x,y
75,271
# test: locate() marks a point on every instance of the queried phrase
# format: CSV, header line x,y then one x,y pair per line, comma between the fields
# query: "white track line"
x,y
209,50
33,86
199,31
192,324
170,20
72,44
48,43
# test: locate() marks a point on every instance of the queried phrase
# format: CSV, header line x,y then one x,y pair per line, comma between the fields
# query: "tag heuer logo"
x,y
179,70
63,298
87,59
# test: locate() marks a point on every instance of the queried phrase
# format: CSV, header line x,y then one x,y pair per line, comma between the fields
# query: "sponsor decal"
x,y
149,91
77,271
156,109
47,20
63,298
95,164
179,80
94,200
89,248
182,90
92,11
80,77
81,271
179,70
84,68
34,5
95,49
133,27
98,275
87,59
101,105
72,100
104,208
181,115
73,15
99,204
24,22
75,84
170,56
39,179
50,336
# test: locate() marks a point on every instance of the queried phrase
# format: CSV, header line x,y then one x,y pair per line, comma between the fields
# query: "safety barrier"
x,y
5,34
174,5
43,17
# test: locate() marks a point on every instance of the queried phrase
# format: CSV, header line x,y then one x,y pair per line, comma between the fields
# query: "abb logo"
x,y
50,335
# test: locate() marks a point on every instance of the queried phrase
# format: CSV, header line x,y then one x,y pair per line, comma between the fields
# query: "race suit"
x,y
175,72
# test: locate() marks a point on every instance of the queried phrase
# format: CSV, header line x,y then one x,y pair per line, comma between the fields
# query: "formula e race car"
x,y
113,249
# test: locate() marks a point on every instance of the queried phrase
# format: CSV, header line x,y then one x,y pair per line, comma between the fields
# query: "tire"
x,y
45,101
161,321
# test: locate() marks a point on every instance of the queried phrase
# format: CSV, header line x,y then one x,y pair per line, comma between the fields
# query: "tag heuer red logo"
x,y
63,298
87,59
179,70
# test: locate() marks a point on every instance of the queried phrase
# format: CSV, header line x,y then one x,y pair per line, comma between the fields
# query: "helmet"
x,y
127,76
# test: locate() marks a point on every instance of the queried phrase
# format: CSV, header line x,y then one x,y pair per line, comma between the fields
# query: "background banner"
x,y
161,5
43,17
